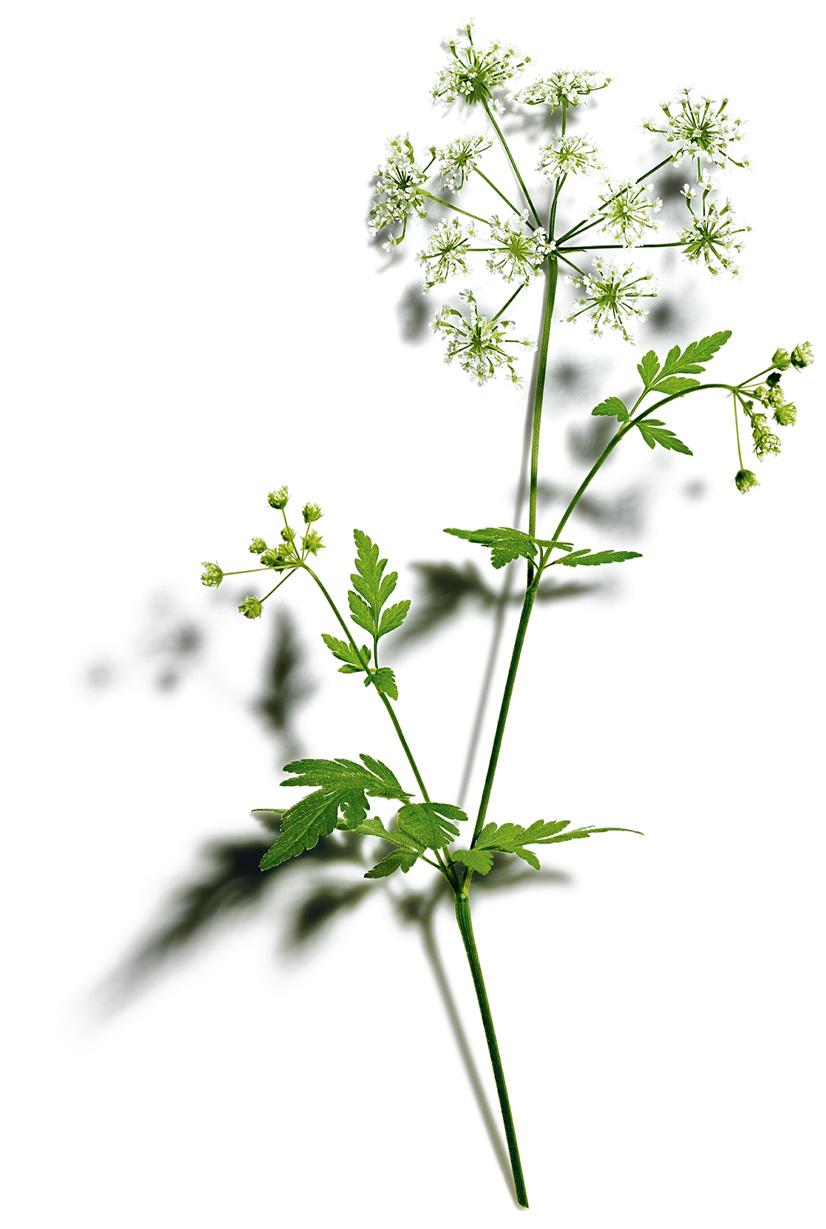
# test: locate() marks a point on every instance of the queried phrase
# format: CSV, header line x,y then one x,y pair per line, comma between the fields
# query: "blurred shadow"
x,y
286,685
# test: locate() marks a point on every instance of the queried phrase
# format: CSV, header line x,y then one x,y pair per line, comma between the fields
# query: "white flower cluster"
x,y
473,75
457,160
699,129
626,211
478,343
711,236
399,186
520,251
562,89
445,254
568,155
612,296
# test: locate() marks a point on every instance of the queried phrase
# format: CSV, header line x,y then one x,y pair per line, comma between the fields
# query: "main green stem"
x,y
466,927
541,372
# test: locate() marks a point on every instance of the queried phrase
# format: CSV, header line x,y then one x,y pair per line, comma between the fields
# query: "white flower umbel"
x,y
445,254
473,75
699,128
562,89
712,235
519,251
569,155
627,211
613,296
457,160
399,186
478,343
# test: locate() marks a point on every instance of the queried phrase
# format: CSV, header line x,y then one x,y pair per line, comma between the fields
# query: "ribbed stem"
x,y
466,928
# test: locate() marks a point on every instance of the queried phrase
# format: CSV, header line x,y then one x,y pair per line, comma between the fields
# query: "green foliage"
x,y
385,681
512,838
583,558
430,824
345,652
403,858
340,802
655,432
372,589
372,826
506,544
658,378
612,407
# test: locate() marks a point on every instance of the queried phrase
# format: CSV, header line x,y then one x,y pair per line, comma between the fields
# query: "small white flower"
x,y
520,251
457,160
472,75
399,187
699,128
612,296
626,211
568,155
562,89
445,254
478,343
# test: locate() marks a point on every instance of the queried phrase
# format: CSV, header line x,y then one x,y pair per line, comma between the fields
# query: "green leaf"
x,y
372,590
576,834
477,859
345,786
582,558
372,826
696,352
676,384
344,651
403,858
512,838
655,432
312,817
430,823
505,544
385,681
612,407
371,776
648,368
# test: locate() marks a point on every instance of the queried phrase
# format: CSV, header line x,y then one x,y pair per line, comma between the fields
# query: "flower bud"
x,y
278,499
781,359
257,546
312,512
802,355
212,575
744,480
313,542
278,559
251,608
773,379
785,414
287,534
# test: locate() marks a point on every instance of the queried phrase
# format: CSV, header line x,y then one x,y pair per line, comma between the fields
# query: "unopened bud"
x,y
312,512
744,480
278,499
251,608
781,359
257,546
802,355
212,575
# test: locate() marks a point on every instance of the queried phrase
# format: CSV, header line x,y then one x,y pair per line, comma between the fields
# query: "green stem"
x,y
525,191
447,870
466,928
542,368
456,208
509,204
524,619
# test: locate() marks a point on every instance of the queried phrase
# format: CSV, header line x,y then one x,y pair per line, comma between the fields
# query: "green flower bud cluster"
x,y
744,480
212,575
802,355
287,557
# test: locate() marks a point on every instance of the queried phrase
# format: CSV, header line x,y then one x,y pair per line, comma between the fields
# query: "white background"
x,y
192,314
